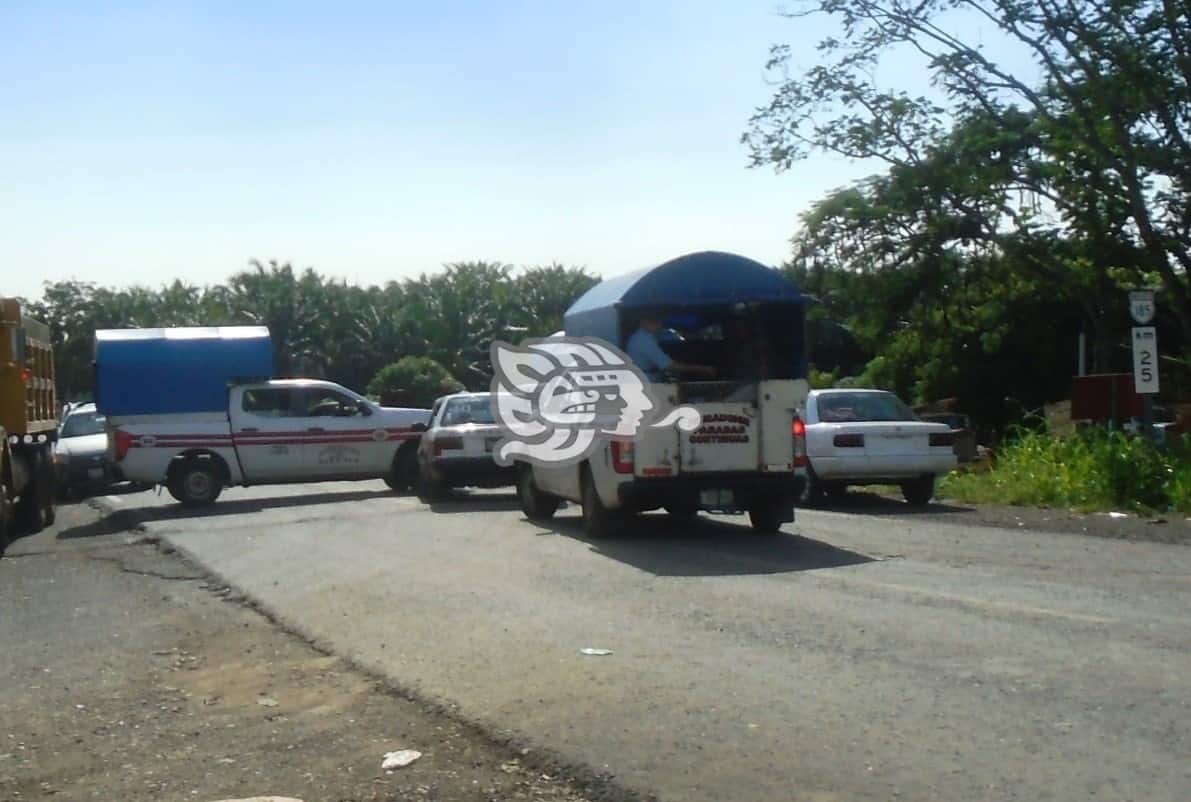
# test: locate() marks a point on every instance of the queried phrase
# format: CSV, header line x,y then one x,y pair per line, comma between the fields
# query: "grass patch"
x,y
1089,471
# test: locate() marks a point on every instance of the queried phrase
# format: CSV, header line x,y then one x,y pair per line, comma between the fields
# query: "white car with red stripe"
x,y
273,432
870,437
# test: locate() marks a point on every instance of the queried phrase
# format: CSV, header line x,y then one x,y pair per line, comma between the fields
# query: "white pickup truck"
x,y
744,321
273,432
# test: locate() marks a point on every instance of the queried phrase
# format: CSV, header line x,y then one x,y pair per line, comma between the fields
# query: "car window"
x,y
271,402
849,407
468,410
326,403
82,424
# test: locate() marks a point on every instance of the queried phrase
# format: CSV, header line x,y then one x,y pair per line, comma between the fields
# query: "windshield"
x,y
468,410
847,407
82,424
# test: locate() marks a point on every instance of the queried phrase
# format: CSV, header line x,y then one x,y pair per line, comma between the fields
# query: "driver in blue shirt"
x,y
642,347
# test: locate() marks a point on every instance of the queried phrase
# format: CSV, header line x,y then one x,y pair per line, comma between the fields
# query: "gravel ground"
x,y
128,675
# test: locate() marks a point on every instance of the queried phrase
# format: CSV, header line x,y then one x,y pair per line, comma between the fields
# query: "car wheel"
x,y
35,510
919,491
597,520
197,483
812,490
766,518
537,505
404,473
430,489
834,491
6,521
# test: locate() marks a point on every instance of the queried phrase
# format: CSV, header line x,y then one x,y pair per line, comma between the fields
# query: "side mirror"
x,y
419,427
363,408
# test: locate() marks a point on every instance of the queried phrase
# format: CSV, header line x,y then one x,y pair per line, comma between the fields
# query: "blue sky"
x,y
379,141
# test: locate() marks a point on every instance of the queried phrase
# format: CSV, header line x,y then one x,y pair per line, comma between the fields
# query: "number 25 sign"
x,y
1145,359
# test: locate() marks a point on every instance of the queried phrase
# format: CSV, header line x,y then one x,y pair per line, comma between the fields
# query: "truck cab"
x,y
744,322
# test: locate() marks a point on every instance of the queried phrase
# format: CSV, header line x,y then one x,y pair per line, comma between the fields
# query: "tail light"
x,y
942,439
798,430
123,443
848,441
26,375
622,456
442,444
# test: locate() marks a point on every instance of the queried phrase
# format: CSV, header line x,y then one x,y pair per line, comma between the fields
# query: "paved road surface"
x,y
851,657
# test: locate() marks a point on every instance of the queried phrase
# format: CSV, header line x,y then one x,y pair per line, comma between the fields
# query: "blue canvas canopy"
x,y
161,371
703,280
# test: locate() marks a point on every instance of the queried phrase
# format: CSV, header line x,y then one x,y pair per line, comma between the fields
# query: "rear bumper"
x,y
881,468
472,471
82,472
747,490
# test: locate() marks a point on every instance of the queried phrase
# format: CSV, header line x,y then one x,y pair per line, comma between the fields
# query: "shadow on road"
x,y
462,501
122,519
870,503
707,547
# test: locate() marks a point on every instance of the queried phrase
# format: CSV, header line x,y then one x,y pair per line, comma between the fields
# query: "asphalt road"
x,y
852,657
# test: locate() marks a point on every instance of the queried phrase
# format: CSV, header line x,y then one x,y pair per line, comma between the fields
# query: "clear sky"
x,y
143,142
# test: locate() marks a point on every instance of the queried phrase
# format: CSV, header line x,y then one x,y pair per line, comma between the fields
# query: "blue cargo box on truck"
x,y
176,370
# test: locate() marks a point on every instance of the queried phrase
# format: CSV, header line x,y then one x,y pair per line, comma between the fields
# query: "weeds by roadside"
x,y
1091,470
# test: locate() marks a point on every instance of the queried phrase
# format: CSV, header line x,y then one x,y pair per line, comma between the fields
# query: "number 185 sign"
x,y
1145,359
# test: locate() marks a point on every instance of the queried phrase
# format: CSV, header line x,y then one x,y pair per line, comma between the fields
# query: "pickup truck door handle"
x,y
316,429
250,429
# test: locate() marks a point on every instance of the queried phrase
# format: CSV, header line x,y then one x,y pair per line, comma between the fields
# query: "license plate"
x,y
95,473
715,498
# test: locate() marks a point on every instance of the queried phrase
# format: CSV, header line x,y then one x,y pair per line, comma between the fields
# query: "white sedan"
x,y
456,450
869,437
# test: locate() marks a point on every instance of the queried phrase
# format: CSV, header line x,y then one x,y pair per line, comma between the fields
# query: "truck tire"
x,y
196,483
537,505
766,518
35,510
6,521
404,473
919,491
598,522
430,489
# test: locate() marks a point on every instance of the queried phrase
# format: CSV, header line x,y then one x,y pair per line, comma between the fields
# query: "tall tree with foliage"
x,y
1097,151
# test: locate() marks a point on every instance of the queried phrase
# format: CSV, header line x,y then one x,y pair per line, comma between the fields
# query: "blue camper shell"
x,y
690,291
176,370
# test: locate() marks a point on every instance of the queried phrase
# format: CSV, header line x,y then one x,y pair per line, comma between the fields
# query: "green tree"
x,y
543,294
413,381
1097,151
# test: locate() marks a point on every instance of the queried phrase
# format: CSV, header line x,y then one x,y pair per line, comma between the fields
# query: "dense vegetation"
x,y
327,328
1018,202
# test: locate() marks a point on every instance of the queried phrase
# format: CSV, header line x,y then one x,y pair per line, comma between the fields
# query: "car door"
x,y
265,428
344,438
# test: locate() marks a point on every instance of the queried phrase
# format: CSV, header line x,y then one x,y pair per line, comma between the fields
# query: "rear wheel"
x,y
812,491
404,473
6,521
430,489
35,510
196,483
919,491
537,505
597,520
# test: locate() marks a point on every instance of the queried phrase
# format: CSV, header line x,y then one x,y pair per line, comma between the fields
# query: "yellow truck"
x,y
28,423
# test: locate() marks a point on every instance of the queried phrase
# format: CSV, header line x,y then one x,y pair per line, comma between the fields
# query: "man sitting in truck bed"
x,y
642,347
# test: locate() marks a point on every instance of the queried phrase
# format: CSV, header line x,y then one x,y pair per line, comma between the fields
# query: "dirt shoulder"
x,y
128,675
1159,529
